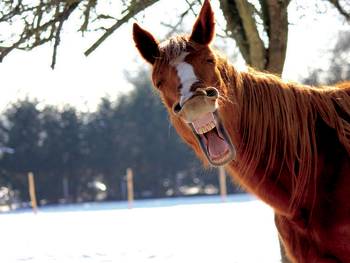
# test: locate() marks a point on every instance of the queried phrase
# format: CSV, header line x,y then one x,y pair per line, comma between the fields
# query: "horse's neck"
x,y
264,145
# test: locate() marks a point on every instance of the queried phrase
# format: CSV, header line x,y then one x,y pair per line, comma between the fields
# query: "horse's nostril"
x,y
176,108
212,92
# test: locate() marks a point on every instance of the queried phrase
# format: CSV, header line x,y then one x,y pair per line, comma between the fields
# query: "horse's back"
x,y
344,85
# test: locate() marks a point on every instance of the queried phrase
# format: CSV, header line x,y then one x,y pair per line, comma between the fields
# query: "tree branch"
x,y
264,15
86,14
135,7
340,9
277,31
66,15
16,11
32,31
173,29
235,28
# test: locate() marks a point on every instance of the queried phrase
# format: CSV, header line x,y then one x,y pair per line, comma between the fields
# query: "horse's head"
x,y
185,71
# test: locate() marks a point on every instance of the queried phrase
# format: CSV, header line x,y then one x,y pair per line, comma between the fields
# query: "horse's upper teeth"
x,y
208,127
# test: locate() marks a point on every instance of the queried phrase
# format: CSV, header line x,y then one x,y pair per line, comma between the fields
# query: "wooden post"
x,y
65,186
222,183
32,192
130,187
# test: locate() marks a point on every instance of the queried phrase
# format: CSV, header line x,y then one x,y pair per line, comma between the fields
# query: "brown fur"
x,y
292,141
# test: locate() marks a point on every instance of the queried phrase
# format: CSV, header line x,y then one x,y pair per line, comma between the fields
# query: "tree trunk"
x,y
258,52
278,35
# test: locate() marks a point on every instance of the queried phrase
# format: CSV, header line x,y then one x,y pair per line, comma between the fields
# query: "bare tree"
x,y
41,21
260,29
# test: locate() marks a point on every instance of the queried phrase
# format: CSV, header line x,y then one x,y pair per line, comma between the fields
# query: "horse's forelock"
x,y
173,48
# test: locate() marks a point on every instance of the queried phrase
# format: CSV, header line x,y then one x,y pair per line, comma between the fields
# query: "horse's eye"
x,y
159,84
211,61
176,108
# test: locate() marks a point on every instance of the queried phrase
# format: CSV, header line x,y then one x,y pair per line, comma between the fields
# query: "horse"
x,y
284,142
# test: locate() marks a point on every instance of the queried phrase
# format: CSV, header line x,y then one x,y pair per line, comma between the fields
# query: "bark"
x,y
257,50
234,27
242,26
277,30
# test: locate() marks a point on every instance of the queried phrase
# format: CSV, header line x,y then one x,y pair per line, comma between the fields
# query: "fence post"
x,y
130,186
32,192
222,183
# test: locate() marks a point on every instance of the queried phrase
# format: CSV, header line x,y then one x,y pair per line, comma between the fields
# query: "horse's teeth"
x,y
208,127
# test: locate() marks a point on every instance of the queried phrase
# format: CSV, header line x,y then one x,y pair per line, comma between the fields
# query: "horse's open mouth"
x,y
213,139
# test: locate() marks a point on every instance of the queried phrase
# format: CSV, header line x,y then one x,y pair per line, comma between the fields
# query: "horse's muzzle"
x,y
201,102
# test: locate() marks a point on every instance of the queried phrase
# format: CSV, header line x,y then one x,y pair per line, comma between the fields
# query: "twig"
x,y
134,9
57,42
340,9
4,51
67,13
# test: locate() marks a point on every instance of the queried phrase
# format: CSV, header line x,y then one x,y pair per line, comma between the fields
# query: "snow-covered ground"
x,y
201,230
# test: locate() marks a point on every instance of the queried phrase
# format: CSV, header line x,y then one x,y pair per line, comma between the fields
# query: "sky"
x,y
81,81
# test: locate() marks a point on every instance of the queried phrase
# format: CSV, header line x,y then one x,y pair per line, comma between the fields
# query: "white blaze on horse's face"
x,y
186,75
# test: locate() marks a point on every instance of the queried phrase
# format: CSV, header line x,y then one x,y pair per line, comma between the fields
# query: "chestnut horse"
x,y
287,143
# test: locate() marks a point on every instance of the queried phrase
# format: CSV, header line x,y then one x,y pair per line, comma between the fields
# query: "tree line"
x,y
79,156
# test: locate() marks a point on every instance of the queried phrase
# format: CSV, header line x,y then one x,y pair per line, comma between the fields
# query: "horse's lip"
x,y
225,158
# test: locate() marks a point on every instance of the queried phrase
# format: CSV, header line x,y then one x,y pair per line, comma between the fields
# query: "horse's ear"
x,y
146,44
204,27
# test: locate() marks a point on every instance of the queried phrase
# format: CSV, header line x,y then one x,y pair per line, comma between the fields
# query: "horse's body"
x,y
287,143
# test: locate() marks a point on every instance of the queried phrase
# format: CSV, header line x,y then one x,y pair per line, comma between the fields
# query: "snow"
x,y
157,232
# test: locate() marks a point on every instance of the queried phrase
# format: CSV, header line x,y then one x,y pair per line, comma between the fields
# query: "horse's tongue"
x,y
216,146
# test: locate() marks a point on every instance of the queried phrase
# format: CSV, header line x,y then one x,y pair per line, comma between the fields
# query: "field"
x,y
201,230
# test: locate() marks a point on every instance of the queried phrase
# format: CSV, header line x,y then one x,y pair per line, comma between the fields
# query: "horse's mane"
x,y
277,125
